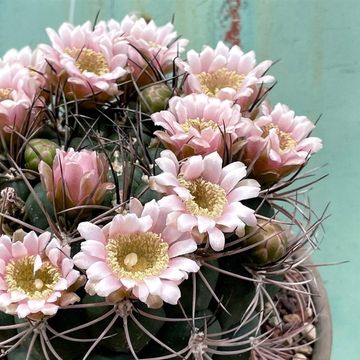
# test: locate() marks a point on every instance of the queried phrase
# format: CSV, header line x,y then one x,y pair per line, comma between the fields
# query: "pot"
x,y
322,347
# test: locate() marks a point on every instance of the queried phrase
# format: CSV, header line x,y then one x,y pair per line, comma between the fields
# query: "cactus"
x,y
140,233
155,98
267,243
37,150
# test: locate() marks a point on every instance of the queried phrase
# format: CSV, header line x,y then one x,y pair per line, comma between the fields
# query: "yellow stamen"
x,y
211,83
153,45
5,94
208,199
137,256
198,124
88,60
286,141
20,276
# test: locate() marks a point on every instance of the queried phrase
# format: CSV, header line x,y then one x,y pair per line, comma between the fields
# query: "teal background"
x,y
318,45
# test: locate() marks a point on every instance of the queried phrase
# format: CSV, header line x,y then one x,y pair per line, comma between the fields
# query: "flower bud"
x,y
76,178
271,240
37,150
156,98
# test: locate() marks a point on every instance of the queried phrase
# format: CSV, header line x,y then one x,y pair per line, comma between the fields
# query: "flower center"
x,y
88,60
153,45
5,94
198,124
208,199
21,276
137,256
286,141
211,83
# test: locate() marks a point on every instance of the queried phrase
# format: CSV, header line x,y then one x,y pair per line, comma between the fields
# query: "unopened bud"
x,y
155,98
37,150
271,240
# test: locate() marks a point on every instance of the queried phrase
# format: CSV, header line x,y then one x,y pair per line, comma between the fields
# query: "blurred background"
x,y
317,43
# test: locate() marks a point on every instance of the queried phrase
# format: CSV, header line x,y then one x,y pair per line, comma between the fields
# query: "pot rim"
x,y
323,344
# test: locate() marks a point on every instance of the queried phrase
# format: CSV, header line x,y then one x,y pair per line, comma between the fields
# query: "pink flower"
x,y
280,143
17,96
91,61
35,275
76,178
34,61
152,47
205,197
136,255
198,124
226,73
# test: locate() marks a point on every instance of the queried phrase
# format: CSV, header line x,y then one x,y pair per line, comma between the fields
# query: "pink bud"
x,y
76,178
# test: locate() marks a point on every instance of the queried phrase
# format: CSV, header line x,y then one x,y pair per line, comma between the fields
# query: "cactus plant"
x,y
142,205
37,150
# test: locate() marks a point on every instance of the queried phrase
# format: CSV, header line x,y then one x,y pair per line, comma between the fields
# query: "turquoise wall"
x,y
318,45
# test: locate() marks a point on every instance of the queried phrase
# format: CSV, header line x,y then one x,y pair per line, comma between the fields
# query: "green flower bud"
x,y
43,147
156,98
272,243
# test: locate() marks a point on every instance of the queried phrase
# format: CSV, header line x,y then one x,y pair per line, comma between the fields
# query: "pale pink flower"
x,y
17,97
36,275
90,61
224,72
136,255
280,143
76,178
198,124
34,61
152,47
204,196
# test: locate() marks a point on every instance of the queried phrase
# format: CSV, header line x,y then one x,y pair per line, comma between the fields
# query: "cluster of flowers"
x,y
223,144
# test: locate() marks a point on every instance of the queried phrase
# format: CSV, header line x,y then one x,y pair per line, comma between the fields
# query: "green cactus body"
x,y
236,294
37,150
117,341
62,321
79,143
268,244
177,334
32,210
20,187
203,295
103,356
155,98
21,353
6,320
